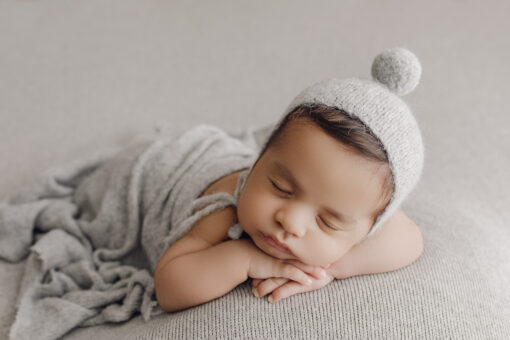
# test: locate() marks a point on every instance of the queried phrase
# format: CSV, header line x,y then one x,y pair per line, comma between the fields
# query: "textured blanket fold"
x,y
94,230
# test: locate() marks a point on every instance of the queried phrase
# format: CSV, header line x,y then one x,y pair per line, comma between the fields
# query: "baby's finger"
x,y
267,286
286,290
316,271
292,272
255,282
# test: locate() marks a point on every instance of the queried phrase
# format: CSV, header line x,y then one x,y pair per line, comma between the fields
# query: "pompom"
x,y
398,69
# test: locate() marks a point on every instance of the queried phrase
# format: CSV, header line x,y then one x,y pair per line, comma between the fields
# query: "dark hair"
x,y
348,130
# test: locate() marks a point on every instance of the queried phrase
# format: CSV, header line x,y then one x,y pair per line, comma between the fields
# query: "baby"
x,y
320,202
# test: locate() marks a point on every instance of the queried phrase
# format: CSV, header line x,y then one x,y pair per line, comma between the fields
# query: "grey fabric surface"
x,y
94,229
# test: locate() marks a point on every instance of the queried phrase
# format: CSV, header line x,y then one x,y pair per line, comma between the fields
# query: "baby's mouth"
x,y
275,244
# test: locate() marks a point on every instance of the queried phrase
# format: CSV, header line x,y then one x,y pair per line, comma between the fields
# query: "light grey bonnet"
x,y
377,103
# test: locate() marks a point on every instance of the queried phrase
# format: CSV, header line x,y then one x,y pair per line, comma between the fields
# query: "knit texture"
x,y
377,104
94,230
458,288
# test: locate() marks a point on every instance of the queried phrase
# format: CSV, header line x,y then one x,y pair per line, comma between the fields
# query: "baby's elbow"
x,y
162,290
160,293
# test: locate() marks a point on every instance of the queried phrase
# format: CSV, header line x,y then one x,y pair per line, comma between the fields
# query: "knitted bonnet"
x,y
377,103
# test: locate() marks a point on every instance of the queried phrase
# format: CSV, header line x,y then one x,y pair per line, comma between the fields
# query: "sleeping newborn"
x,y
320,202
305,206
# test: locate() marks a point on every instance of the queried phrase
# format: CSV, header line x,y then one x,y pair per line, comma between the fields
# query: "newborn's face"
x,y
294,189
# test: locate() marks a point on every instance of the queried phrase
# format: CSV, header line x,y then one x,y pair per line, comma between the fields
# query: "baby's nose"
x,y
295,221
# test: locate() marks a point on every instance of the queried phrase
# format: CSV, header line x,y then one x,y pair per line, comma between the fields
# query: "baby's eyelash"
x,y
288,193
278,188
327,225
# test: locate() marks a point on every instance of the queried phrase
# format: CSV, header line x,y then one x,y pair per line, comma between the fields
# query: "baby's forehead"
x,y
296,133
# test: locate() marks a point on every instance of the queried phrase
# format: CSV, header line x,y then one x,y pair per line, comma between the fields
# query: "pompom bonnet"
x,y
377,103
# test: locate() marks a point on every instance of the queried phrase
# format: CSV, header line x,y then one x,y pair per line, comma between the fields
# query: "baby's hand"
x,y
283,287
263,266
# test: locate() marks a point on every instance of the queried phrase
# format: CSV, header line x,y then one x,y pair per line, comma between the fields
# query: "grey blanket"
x,y
93,230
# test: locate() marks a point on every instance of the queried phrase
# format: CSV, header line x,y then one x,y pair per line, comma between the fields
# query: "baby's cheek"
x,y
328,251
253,208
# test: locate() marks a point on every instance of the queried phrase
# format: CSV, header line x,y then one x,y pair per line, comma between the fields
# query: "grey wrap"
x,y
94,230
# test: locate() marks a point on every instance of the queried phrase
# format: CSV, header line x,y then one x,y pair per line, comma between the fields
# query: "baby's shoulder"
x,y
213,228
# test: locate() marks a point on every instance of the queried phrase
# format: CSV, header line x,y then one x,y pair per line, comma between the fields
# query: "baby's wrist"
x,y
243,248
339,269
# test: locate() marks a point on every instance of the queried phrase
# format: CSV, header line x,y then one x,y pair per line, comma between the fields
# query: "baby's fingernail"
x,y
308,281
254,291
270,298
323,273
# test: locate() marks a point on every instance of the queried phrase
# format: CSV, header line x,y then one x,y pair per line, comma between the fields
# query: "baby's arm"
x,y
397,244
200,276
202,265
